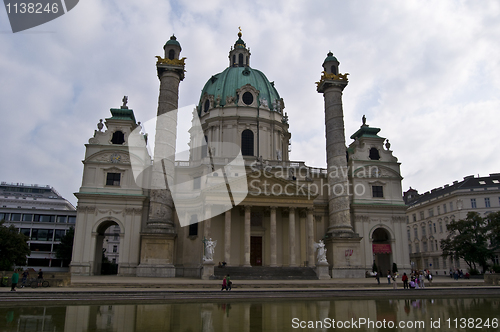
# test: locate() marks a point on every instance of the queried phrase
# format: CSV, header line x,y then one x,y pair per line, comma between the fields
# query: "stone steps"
x,y
265,273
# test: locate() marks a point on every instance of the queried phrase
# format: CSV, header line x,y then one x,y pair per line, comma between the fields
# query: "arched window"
x,y
206,106
247,142
171,54
118,137
374,155
234,60
247,98
240,60
334,70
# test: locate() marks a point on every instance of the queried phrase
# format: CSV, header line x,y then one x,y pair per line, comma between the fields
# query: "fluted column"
x,y
310,237
207,224
273,237
291,236
338,185
246,240
227,237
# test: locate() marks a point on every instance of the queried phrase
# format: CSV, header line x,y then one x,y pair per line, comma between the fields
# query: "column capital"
x,y
273,208
248,208
310,210
292,209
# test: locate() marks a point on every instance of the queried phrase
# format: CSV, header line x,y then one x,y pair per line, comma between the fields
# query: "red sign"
x,y
382,248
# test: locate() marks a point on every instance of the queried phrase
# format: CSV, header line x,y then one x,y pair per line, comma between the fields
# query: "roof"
x,y
469,182
366,131
173,41
330,57
232,78
122,114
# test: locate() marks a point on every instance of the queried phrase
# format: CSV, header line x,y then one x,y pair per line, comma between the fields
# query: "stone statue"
x,y
209,250
263,102
125,101
278,155
364,120
388,145
100,125
230,100
217,101
321,256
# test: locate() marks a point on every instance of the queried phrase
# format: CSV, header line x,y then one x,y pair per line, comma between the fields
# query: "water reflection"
x,y
246,316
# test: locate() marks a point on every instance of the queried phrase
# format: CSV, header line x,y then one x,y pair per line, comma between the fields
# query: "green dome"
x,y
173,41
232,78
330,57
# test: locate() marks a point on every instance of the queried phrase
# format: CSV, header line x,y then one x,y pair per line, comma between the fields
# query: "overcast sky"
x,y
425,72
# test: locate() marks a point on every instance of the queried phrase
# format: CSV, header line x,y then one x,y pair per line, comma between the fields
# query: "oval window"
x,y
207,105
247,98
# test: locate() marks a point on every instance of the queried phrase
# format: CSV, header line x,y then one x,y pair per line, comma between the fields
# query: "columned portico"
x,y
291,236
273,237
246,237
227,237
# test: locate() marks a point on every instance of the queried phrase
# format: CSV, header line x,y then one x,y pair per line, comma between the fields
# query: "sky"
x,y
425,72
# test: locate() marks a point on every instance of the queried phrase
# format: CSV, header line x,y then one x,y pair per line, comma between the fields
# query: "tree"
x,y
469,239
13,248
493,220
64,250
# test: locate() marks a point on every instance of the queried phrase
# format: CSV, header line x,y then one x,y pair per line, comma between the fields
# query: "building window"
x,y
113,179
444,208
434,225
193,226
334,70
417,248
409,248
171,54
115,248
378,191
473,203
451,206
423,230
440,227
15,217
436,243
409,234
115,236
113,261
206,107
430,229
247,98
240,60
118,137
426,263
71,220
407,219
487,202
422,217
431,212
61,219
432,246
435,262
439,210
444,263
414,217
27,217
374,155
415,232
59,233
247,142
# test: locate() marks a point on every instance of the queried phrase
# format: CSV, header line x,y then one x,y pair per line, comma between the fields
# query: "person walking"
x,y
15,280
40,278
224,284
404,279
422,280
388,277
25,275
228,282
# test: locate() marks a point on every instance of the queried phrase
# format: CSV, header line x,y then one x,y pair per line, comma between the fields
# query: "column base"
x,y
157,252
344,254
323,271
208,270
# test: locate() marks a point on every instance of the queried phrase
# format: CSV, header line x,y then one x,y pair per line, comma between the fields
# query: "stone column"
x,y
227,237
273,237
207,224
310,237
246,241
291,236
338,185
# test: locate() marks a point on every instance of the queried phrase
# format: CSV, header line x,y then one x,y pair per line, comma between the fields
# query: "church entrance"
x,y
382,251
107,248
256,250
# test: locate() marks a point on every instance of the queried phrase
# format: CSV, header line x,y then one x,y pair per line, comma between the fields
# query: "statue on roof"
x,y
125,101
364,120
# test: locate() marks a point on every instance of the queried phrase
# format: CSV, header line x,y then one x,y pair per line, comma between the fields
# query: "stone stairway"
x,y
265,273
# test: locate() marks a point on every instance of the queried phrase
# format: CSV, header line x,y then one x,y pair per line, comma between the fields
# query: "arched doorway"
x,y
107,248
382,251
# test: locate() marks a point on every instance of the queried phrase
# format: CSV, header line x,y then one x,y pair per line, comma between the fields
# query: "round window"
x,y
247,98
207,105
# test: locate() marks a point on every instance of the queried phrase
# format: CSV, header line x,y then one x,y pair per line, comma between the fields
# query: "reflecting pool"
x,y
292,315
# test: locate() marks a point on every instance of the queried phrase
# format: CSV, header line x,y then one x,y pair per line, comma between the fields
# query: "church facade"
x,y
264,210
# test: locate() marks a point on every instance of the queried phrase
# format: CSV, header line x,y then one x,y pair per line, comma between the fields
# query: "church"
x,y
237,198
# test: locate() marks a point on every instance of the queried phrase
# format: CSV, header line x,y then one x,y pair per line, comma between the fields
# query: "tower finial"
x,y
239,33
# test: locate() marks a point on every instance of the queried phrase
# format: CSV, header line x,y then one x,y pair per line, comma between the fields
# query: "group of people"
x,y
416,280
25,275
226,283
459,274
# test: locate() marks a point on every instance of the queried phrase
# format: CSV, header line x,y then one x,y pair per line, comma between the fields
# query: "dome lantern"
x,y
239,55
331,64
172,49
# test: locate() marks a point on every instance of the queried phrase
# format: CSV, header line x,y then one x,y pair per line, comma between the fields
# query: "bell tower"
x,y
343,243
158,236
239,56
